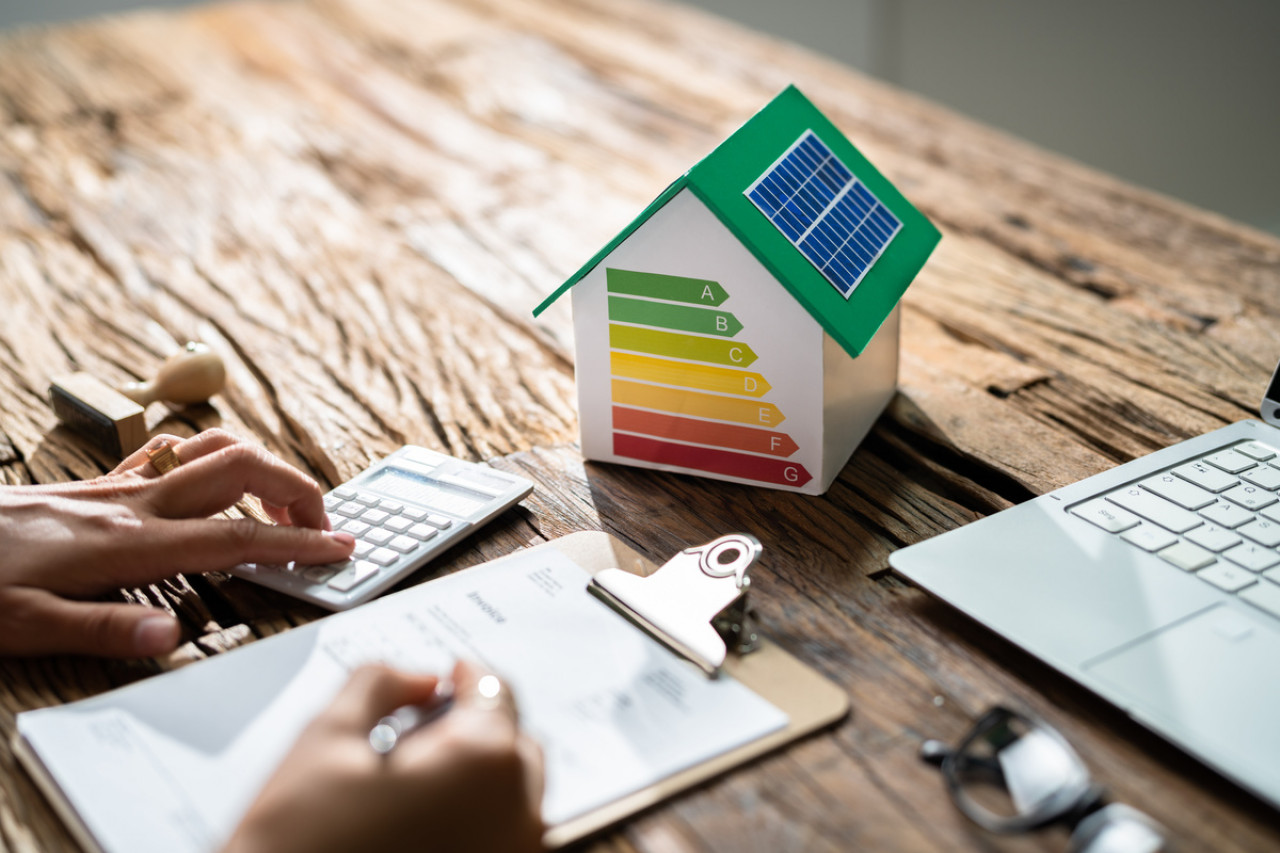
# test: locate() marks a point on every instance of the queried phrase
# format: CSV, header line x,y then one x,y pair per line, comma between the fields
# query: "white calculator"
x,y
403,511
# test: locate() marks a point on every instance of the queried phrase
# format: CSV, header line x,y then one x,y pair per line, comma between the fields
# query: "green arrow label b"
x,y
673,288
679,318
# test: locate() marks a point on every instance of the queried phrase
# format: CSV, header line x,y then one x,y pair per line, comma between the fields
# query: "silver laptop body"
x,y
1155,584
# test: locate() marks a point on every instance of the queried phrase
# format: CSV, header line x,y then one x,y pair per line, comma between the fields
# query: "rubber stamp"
x,y
114,420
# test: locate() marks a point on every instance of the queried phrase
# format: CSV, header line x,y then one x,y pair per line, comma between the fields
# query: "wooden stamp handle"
x,y
192,375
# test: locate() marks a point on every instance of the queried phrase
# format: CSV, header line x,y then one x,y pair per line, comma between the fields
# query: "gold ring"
x,y
164,456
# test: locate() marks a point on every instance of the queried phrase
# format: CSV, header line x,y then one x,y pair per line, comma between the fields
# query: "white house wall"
x,y
857,390
778,341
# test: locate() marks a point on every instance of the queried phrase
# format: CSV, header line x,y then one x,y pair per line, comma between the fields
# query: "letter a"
x,y
707,294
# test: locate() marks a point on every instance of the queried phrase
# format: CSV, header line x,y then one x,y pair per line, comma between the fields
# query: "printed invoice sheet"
x,y
173,762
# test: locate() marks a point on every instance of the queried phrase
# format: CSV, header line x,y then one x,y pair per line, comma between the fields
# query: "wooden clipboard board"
x,y
808,698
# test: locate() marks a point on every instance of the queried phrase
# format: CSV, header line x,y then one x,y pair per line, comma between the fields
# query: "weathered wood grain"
x,y
358,203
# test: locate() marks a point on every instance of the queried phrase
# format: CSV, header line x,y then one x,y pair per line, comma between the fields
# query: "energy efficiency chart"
x,y
683,393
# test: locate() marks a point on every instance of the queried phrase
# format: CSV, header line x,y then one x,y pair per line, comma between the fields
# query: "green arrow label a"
x,y
673,288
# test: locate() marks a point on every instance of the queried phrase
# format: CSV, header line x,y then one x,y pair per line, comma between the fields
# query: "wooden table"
x,y
358,203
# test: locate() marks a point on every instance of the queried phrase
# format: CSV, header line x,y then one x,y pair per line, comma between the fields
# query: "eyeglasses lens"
x,y
1118,829
1012,768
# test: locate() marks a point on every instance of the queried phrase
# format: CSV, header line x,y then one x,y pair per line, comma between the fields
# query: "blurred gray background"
x,y
1181,96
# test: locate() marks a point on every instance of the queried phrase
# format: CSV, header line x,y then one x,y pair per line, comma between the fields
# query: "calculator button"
x,y
367,500
398,523
378,536
404,544
421,531
320,574
344,492
355,527
350,509
414,513
362,549
392,507
331,502
352,577
438,521
383,556
374,516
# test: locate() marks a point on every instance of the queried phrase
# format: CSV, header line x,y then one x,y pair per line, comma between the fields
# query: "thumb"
x,y
37,622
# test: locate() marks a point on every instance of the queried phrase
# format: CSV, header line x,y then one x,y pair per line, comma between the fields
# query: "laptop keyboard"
x,y
1217,516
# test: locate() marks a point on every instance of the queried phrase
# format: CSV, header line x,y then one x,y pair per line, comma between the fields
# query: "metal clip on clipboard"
x,y
696,603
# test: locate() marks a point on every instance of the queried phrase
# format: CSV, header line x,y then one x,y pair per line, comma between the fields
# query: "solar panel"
x,y
825,211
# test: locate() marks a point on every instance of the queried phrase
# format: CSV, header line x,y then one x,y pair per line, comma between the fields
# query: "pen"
x,y
406,719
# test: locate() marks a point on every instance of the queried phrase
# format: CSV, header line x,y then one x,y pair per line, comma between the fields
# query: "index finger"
x,y
215,481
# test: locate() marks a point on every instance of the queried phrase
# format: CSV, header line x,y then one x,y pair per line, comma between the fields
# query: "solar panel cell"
x,y
825,211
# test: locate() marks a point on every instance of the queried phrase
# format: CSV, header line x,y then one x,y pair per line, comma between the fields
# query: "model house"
x,y
744,326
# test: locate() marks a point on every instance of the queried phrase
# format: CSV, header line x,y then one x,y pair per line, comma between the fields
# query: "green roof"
x,y
720,181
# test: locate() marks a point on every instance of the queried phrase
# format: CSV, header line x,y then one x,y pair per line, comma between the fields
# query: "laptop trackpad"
x,y
1208,681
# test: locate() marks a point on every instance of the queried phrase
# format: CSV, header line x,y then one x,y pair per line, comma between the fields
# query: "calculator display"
x,y
423,490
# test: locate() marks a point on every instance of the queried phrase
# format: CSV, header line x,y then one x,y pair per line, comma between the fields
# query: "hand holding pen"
x,y
467,780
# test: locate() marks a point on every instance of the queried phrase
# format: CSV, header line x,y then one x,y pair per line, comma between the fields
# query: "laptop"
x,y
1155,584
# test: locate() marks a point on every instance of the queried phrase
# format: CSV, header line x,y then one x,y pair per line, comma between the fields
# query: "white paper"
x,y
173,762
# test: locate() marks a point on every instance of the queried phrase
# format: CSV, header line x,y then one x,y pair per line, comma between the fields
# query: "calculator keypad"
x,y
402,511
385,531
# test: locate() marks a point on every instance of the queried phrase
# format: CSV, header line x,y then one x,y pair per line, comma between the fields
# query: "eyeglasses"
x,y
1014,773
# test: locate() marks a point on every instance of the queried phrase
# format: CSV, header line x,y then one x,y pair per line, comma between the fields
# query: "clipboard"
x,y
809,700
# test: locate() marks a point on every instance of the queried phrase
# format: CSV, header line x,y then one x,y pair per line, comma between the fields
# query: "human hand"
x,y
67,542
469,781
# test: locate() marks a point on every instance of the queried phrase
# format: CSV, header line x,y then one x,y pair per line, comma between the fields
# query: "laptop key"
x,y
1250,497
1224,576
1253,557
1155,508
1178,490
1187,556
1108,516
1213,537
1256,450
1227,514
1263,595
1148,537
1265,533
1230,461
1264,476
1205,476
